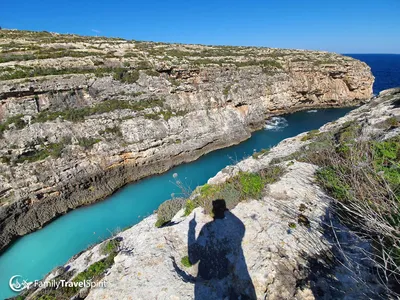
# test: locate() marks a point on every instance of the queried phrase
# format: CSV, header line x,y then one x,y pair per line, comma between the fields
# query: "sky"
x,y
343,26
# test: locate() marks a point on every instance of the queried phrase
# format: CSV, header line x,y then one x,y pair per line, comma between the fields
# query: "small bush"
x,y
116,131
153,73
256,155
310,135
190,205
53,149
226,90
126,75
17,120
230,194
109,247
251,184
348,133
186,262
87,143
392,122
152,116
167,210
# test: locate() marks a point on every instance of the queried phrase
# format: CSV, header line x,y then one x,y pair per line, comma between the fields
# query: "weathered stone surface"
x,y
207,98
263,239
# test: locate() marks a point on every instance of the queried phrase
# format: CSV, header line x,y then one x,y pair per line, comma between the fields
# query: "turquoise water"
x,y
36,254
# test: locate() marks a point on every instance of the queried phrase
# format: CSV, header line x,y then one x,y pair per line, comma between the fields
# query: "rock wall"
x,y
83,116
264,239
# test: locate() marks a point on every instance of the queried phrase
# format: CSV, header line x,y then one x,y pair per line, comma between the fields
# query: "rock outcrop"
x,y
83,116
283,244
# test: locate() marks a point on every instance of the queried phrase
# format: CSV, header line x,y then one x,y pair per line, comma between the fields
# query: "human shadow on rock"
x,y
222,269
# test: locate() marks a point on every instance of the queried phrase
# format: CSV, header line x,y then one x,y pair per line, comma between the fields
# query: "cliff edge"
x,y
282,237
82,116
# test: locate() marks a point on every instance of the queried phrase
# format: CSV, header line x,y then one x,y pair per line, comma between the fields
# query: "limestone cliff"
x,y
82,116
284,242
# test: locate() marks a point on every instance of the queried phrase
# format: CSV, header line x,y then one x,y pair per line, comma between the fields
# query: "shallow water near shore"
x,y
36,254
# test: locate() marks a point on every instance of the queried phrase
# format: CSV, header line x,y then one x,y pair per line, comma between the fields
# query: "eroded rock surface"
x,y
82,116
284,247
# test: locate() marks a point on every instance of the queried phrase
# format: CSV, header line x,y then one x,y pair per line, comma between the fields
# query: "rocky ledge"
x,y
285,242
83,116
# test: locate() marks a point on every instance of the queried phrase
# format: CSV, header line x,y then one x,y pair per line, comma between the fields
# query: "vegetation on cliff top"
x,y
105,56
239,188
363,176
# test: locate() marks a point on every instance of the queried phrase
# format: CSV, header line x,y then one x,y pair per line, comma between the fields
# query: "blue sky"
x,y
344,26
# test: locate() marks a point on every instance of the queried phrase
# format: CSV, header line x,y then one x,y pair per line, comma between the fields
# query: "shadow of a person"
x,y
222,269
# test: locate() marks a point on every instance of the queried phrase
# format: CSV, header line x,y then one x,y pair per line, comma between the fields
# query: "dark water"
x,y
385,67
36,254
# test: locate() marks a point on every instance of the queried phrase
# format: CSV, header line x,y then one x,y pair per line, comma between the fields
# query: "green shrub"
x,y
87,143
53,149
109,247
186,262
330,179
226,90
5,159
256,155
230,194
151,72
190,205
152,116
126,75
386,156
116,131
24,72
392,122
96,270
168,209
310,135
251,184
348,132
174,81
17,120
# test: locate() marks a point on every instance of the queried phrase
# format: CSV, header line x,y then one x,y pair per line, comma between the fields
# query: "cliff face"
x,y
82,116
285,245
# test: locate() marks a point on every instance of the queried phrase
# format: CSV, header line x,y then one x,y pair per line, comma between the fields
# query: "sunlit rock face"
x,y
82,116
276,247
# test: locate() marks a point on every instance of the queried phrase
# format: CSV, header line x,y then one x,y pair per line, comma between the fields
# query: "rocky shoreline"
x,y
93,114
